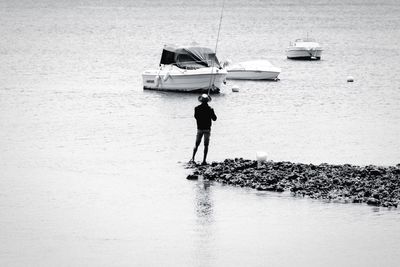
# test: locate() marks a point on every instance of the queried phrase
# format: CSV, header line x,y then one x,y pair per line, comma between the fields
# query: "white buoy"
x,y
261,157
350,79
235,88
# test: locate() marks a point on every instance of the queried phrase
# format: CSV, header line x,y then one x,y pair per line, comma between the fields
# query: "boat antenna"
x,y
216,46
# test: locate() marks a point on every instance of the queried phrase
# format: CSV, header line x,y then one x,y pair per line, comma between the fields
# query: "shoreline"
x,y
373,185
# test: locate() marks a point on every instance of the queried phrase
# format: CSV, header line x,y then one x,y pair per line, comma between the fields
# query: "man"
x,y
203,114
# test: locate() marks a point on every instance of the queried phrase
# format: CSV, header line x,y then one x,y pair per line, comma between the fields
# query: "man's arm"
x,y
213,116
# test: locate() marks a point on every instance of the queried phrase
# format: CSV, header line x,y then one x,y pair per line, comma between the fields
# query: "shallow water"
x,y
91,165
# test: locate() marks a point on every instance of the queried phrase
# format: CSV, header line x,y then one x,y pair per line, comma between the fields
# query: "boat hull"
x,y
298,53
253,70
252,75
184,80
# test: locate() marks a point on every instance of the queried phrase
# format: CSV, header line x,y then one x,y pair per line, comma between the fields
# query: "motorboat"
x,y
186,69
305,48
253,70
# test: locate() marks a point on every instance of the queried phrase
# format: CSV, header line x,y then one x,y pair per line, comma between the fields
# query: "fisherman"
x,y
203,114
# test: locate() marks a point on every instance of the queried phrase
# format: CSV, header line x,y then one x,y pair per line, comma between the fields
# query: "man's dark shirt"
x,y
204,114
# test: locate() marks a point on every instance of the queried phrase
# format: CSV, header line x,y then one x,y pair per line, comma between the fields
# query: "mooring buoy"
x,y
235,88
350,79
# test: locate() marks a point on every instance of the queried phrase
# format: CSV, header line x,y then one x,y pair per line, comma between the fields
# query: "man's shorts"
x,y
200,134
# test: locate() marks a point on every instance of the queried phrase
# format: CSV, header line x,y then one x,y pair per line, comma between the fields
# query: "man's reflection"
x,y
204,227
204,206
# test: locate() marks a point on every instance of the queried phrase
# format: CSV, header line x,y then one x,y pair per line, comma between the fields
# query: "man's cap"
x,y
204,98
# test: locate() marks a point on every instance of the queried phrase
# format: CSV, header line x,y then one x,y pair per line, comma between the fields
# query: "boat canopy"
x,y
189,57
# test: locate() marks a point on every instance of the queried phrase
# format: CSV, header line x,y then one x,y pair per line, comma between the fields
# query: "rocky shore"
x,y
374,185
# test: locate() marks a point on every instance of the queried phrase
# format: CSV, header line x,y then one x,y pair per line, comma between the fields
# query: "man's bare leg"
x,y
205,155
194,152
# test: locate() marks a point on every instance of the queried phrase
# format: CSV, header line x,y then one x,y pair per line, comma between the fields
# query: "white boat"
x,y
186,69
253,70
306,48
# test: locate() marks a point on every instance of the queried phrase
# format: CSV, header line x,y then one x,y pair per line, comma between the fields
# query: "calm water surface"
x,y
91,166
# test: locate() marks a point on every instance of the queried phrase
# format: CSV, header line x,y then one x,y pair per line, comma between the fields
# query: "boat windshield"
x,y
189,57
306,40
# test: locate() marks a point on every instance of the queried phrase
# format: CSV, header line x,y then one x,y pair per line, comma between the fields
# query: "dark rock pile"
x,y
374,185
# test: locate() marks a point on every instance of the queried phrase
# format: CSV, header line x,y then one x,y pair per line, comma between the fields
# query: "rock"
x,y
296,188
384,194
348,182
373,201
279,188
292,176
261,187
271,180
367,193
374,172
192,177
397,171
376,195
303,178
373,185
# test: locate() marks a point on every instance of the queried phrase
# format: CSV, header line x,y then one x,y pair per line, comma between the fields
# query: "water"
x,y
91,166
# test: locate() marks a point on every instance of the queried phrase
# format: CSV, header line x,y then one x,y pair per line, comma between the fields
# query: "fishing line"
x,y
215,50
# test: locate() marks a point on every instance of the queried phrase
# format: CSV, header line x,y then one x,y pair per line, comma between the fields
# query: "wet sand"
x,y
374,185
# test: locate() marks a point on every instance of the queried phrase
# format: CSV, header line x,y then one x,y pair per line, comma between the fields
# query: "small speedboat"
x,y
186,69
306,48
253,70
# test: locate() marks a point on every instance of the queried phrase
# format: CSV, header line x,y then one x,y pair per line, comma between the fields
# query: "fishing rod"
x,y
215,50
